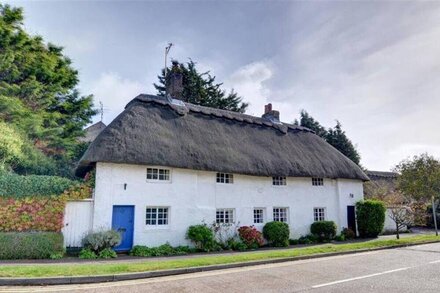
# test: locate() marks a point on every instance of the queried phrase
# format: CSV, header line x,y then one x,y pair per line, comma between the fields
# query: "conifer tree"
x,y
202,89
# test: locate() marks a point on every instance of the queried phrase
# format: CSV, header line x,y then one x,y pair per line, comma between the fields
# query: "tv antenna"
x,y
167,50
101,110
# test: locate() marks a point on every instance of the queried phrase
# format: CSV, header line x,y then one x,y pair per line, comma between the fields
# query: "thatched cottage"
x,y
164,164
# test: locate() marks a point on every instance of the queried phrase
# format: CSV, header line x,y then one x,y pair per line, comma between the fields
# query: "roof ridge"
x,y
219,113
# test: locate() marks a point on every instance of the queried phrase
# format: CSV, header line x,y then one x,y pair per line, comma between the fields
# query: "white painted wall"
x,y
390,225
78,217
193,197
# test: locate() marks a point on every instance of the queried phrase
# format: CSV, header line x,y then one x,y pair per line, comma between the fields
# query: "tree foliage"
x,y
10,145
334,136
38,97
419,177
202,89
306,120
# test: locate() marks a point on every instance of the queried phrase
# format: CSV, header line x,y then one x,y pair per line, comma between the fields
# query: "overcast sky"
x,y
374,66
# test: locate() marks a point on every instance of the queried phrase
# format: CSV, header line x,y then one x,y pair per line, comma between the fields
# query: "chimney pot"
x,y
267,108
269,114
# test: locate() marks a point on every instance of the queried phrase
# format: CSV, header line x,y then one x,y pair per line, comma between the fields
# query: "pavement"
x,y
410,269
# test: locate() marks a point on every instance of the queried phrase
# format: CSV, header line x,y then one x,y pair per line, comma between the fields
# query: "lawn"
x,y
51,270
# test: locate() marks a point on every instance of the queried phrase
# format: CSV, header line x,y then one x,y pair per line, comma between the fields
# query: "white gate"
x,y
77,221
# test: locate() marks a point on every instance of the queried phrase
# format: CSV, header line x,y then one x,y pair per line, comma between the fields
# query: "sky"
x,y
373,66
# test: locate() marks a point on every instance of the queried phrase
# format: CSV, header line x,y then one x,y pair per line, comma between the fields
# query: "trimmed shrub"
x,y
370,217
87,253
277,234
98,241
18,186
324,230
203,237
30,245
348,233
251,236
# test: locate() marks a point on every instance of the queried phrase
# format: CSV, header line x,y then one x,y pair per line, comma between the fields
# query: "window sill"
x,y
159,181
156,228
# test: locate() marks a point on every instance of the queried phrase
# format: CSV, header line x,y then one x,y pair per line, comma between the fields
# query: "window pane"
x,y
224,216
158,174
225,178
156,216
258,216
279,180
317,181
280,214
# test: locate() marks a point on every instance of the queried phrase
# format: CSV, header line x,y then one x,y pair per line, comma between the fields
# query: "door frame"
x,y
132,226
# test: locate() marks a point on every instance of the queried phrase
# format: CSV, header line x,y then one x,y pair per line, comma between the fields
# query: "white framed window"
x,y
317,181
319,214
224,216
259,215
158,174
157,216
279,180
280,215
226,178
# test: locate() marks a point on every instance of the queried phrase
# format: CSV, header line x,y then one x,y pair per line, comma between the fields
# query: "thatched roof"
x,y
154,131
381,175
92,132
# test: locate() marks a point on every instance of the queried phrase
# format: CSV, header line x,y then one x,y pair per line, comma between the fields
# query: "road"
x,y
412,269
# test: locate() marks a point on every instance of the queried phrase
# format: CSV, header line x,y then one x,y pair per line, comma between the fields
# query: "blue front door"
x,y
122,221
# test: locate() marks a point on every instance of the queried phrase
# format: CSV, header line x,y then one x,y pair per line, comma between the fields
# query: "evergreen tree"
x,y
37,95
334,136
337,138
202,89
308,121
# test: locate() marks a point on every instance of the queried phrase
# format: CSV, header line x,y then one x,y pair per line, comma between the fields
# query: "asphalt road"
x,y
412,269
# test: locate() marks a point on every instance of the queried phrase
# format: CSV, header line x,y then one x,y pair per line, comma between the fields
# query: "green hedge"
x,y
31,245
324,230
17,186
370,216
277,233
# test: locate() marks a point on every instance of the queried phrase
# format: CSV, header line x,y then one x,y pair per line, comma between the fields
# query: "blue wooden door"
x,y
122,221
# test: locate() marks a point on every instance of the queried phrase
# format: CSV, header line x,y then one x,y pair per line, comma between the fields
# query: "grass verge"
x,y
44,270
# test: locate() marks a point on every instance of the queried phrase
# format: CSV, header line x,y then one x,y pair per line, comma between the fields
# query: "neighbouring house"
x,y
381,184
164,164
92,132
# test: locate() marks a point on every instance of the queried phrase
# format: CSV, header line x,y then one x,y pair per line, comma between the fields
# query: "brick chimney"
x,y
174,82
269,114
